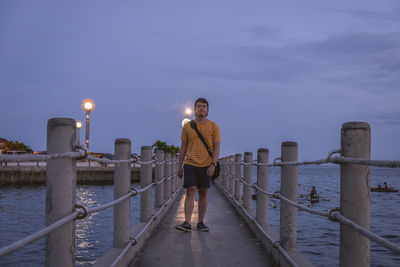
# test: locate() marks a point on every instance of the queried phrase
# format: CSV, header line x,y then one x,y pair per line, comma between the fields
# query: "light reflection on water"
x,y
22,212
26,205
84,228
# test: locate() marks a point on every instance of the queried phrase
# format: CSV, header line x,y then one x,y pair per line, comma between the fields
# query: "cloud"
x,y
389,59
361,61
263,31
382,115
373,15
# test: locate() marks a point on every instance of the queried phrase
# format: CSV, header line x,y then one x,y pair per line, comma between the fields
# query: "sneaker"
x,y
202,227
186,227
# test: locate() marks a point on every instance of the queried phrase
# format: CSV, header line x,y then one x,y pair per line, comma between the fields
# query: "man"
x,y
313,192
199,166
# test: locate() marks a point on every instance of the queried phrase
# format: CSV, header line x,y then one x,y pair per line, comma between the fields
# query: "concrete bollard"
x,y
159,175
122,185
238,175
226,185
288,217
145,180
247,176
176,173
355,194
173,173
60,192
224,173
232,175
167,171
262,181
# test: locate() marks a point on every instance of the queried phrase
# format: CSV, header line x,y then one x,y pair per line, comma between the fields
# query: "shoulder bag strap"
x,y
194,126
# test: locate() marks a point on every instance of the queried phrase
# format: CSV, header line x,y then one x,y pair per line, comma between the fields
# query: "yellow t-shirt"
x,y
196,153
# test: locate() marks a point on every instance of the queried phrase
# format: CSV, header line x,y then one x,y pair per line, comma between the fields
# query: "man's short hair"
x,y
202,100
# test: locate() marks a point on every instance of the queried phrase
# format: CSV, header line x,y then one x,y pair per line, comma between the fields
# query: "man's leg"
x,y
203,201
189,203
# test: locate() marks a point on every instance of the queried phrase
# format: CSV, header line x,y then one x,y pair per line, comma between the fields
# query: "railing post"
x,y
145,180
173,172
225,175
176,173
262,182
247,176
122,185
167,170
232,175
238,175
288,217
159,175
355,194
60,192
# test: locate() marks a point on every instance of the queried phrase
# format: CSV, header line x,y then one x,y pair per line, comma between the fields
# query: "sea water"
x,y
22,212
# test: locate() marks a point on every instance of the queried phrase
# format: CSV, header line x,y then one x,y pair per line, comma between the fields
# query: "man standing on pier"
x,y
199,166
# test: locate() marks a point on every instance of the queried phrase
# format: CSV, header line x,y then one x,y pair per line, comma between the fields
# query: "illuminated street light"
x,y
88,106
188,112
78,132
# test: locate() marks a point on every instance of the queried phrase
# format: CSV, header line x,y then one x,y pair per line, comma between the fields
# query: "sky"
x,y
272,71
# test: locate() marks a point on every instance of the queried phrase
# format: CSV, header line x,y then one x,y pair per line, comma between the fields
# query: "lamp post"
x,y
88,106
186,120
78,132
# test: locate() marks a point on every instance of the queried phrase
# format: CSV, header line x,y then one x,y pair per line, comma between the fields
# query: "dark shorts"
x,y
196,176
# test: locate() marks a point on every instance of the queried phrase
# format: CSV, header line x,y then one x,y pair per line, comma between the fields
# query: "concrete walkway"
x,y
229,242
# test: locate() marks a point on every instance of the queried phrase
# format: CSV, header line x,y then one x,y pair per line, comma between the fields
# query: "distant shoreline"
x,y
25,175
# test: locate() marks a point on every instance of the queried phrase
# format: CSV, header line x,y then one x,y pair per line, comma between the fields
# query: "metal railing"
x,y
61,178
353,214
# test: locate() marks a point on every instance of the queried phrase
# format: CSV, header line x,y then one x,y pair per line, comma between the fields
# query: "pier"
x,y
239,234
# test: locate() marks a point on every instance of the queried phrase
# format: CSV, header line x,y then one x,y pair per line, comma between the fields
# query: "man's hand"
x,y
211,170
180,172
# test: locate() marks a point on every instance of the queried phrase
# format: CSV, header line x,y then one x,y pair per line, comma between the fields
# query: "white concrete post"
x,y
226,185
159,175
262,181
176,173
122,185
288,217
355,194
232,175
145,180
238,175
167,170
60,192
173,172
225,175
247,176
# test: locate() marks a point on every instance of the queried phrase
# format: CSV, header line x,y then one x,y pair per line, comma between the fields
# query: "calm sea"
x,y
22,212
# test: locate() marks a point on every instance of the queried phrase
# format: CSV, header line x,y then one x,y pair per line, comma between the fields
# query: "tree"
x,y
160,145
16,146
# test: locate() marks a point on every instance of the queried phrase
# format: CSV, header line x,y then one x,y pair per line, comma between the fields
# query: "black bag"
x,y
217,168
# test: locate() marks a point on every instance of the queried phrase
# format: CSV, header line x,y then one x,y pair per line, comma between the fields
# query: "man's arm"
x,y
211,169
182,154
216,152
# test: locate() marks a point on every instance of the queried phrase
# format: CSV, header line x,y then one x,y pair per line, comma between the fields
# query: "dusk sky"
x,y
272,71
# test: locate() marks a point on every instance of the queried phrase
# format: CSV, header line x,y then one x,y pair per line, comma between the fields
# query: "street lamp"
x,y
88,106
78,132
188,112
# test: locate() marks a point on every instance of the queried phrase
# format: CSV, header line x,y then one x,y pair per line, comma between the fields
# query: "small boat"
x,y
383,189
314,199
